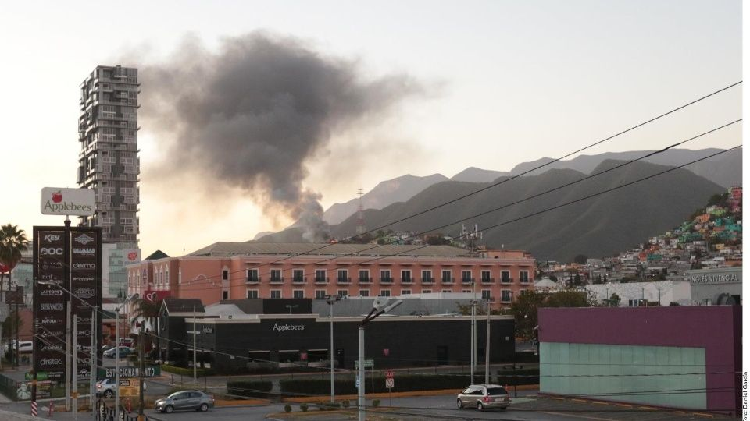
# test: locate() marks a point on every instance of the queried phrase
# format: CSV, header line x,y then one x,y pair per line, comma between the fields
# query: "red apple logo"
x,y
132,256
57,197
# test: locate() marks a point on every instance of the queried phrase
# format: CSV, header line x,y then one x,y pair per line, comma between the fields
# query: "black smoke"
x,y
252,113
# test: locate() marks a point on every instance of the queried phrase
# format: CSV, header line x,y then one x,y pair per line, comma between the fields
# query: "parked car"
x,y
186,399
483,396
106,388
111,353
23,346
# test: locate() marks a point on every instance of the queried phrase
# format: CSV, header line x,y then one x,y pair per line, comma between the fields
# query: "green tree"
x,y
13,242
580,259
614,300
524,309
158,254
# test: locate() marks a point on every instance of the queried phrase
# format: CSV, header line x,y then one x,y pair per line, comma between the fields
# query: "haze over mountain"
x,y
387,192
596,227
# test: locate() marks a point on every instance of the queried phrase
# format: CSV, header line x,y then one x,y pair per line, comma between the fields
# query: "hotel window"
x,y
486,277
447,290
298,275
507,296
486,294
466,291
320,275
364,292
252,293
385,276
342,275
224,274
385,293
275,293
166,277
426,291
342,293
276,275
524,274
364,276
299,294
406,276
446,276
505,277
320,294
466,276
224,295
253,275
426,276
405,292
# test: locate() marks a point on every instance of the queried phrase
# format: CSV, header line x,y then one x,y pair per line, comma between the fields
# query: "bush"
x,y
303,407
375,403
345,404
250,388
287,408
309,387
201,372
518,377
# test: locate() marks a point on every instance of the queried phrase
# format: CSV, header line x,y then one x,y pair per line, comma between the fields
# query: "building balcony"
x,y
428,281
276,280
488,280
299,280
367,280
467,281
253,280
321,281
506,280
407,281
343,281
447,281
386,280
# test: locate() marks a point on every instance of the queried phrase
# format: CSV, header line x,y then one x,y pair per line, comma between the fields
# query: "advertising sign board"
x,y
59,201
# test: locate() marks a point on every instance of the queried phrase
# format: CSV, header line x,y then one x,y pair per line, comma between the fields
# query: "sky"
x,y
500,83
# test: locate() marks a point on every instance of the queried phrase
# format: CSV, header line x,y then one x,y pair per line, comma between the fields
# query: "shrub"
x,y
287,408
375,403
345,404
250,388
303,407
201,372
518,377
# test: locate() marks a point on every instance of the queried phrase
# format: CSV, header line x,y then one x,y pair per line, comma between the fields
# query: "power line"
x,y
532,169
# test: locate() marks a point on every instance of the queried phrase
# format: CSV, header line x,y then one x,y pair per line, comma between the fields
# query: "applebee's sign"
x,y
57,201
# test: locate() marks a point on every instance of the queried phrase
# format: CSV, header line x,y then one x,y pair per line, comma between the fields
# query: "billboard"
x,y
65,260
59,201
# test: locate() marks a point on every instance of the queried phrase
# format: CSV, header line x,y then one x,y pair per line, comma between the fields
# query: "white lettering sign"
x,y
286,327
58,201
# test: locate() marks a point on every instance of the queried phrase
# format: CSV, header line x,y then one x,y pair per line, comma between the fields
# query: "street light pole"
x,y
487,348
117,353
380,306
195,336
330,300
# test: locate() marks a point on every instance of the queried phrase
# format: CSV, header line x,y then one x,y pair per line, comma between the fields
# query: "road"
x,y
526,407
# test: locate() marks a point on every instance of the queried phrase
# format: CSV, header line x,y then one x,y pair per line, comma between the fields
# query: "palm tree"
x,y
13,242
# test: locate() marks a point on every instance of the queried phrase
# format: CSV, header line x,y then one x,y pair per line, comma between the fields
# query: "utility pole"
x,y
195,351
75,366
94,355
487,348
18,355
141,369
68,353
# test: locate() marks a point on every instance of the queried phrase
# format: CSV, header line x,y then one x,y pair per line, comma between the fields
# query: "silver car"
x,y
186,399
483,396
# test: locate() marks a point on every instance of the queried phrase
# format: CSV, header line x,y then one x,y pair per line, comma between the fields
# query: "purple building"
x,y
679,357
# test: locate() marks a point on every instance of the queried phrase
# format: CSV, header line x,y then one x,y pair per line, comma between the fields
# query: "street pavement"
x,y
526,407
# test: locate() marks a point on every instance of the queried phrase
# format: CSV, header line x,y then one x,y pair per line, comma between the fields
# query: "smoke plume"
x,y
251,114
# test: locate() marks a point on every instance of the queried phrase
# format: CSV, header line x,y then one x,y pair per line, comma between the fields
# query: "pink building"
x,y
305,270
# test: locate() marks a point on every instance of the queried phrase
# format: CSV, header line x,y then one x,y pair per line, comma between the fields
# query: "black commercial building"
x,y
229,338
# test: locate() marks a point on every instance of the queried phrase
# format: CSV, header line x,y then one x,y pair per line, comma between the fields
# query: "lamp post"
x,y
331,299
379,306
117,353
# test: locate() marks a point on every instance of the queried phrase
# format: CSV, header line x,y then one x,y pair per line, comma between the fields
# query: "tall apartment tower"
x,y
108,161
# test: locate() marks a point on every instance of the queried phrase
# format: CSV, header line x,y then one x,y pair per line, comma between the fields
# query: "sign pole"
x,y
68,309
75,366
94,355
